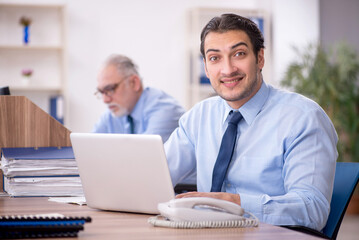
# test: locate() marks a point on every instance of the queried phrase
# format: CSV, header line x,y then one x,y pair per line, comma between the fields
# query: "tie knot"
x,y
235,117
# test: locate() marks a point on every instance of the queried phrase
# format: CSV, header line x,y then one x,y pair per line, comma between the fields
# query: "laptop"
x,y
123,172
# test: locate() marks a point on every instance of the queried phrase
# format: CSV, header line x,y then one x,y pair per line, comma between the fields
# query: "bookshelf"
x,y
199,87
44,54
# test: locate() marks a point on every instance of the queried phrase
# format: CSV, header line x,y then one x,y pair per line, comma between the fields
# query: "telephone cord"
x,y
245,222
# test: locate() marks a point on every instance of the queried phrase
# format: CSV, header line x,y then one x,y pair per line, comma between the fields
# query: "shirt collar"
x,y
251,108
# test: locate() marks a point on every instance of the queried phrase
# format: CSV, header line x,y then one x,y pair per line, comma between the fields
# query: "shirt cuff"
x,y
253,204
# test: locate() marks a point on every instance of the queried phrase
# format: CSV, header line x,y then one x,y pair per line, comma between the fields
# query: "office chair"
x,y
345,180
183,188
4,90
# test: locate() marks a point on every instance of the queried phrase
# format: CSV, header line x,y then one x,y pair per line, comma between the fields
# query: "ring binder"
x,y
37,226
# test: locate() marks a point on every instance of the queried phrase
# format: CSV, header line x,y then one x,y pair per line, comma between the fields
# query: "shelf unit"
x,y
44,54
198,87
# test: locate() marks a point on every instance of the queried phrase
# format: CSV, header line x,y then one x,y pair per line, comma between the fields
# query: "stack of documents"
x,y
44,171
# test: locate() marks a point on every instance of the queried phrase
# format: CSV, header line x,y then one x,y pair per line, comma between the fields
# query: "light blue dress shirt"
x,y
284,161
155,113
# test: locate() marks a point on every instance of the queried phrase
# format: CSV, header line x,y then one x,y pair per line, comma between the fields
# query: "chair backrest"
x,y
4,90
345,181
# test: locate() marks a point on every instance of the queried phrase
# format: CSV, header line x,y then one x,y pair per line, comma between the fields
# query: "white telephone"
x,y
199,212
200,209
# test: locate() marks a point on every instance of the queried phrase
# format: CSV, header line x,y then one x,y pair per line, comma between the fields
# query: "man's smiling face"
x,y
232,66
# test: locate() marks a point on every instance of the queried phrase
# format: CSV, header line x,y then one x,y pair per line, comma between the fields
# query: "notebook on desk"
x,y
123,172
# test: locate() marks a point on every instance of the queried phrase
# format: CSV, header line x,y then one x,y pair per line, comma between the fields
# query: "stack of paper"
x,y
44,171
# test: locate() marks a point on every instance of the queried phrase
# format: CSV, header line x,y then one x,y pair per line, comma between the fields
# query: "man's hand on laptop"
x,y
235,198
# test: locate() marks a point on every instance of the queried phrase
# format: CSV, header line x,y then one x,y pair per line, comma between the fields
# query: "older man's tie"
x,y
132,125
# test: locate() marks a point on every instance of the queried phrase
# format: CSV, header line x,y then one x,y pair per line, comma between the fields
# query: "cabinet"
x,y
44,54
199,87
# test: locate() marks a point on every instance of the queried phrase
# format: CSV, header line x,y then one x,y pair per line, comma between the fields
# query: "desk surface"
x,y
117,225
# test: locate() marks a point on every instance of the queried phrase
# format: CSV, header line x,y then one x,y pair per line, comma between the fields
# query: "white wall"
x,y
295,24
153,34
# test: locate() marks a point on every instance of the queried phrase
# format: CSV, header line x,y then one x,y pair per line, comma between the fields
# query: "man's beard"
x,y
120,110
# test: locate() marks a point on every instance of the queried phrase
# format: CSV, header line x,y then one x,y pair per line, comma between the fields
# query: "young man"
x,y
131,108
284,154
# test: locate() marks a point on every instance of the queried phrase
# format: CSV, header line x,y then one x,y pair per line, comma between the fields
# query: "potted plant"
x,y
25,22
331,78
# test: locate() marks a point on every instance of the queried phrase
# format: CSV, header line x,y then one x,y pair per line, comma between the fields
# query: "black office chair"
x,y
345,181
183,188
4,90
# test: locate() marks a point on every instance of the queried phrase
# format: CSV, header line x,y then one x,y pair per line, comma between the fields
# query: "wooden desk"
x,y
116,225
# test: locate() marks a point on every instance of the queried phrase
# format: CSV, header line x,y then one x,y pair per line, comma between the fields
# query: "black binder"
x,y
28,226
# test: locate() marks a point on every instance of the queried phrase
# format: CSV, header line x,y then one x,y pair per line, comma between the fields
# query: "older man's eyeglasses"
x,y
108,90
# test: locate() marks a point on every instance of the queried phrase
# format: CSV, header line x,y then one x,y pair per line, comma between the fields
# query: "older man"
x,y
131,107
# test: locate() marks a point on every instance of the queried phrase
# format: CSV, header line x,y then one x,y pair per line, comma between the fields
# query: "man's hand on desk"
x,y
235,198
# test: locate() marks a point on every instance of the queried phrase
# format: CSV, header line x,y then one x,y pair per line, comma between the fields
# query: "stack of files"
x,y
44,171
38,226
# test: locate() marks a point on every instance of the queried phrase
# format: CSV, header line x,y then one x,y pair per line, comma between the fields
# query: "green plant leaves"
x,y
331,78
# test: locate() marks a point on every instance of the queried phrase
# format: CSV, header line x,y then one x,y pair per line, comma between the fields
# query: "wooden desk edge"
x,y
113,225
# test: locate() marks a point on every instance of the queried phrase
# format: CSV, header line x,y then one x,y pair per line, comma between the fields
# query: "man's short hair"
x,y
228,22
124,65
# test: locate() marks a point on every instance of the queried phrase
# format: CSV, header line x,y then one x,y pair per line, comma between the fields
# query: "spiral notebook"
x,y
123,172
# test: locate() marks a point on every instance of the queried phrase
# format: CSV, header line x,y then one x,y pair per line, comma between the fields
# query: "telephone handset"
x,y
202,212
200,209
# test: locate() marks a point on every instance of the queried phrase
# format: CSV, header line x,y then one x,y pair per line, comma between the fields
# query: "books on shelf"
x,y
43,171
57,108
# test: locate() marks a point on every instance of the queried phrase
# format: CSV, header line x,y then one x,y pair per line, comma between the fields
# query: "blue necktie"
x,y
132,125
225,152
